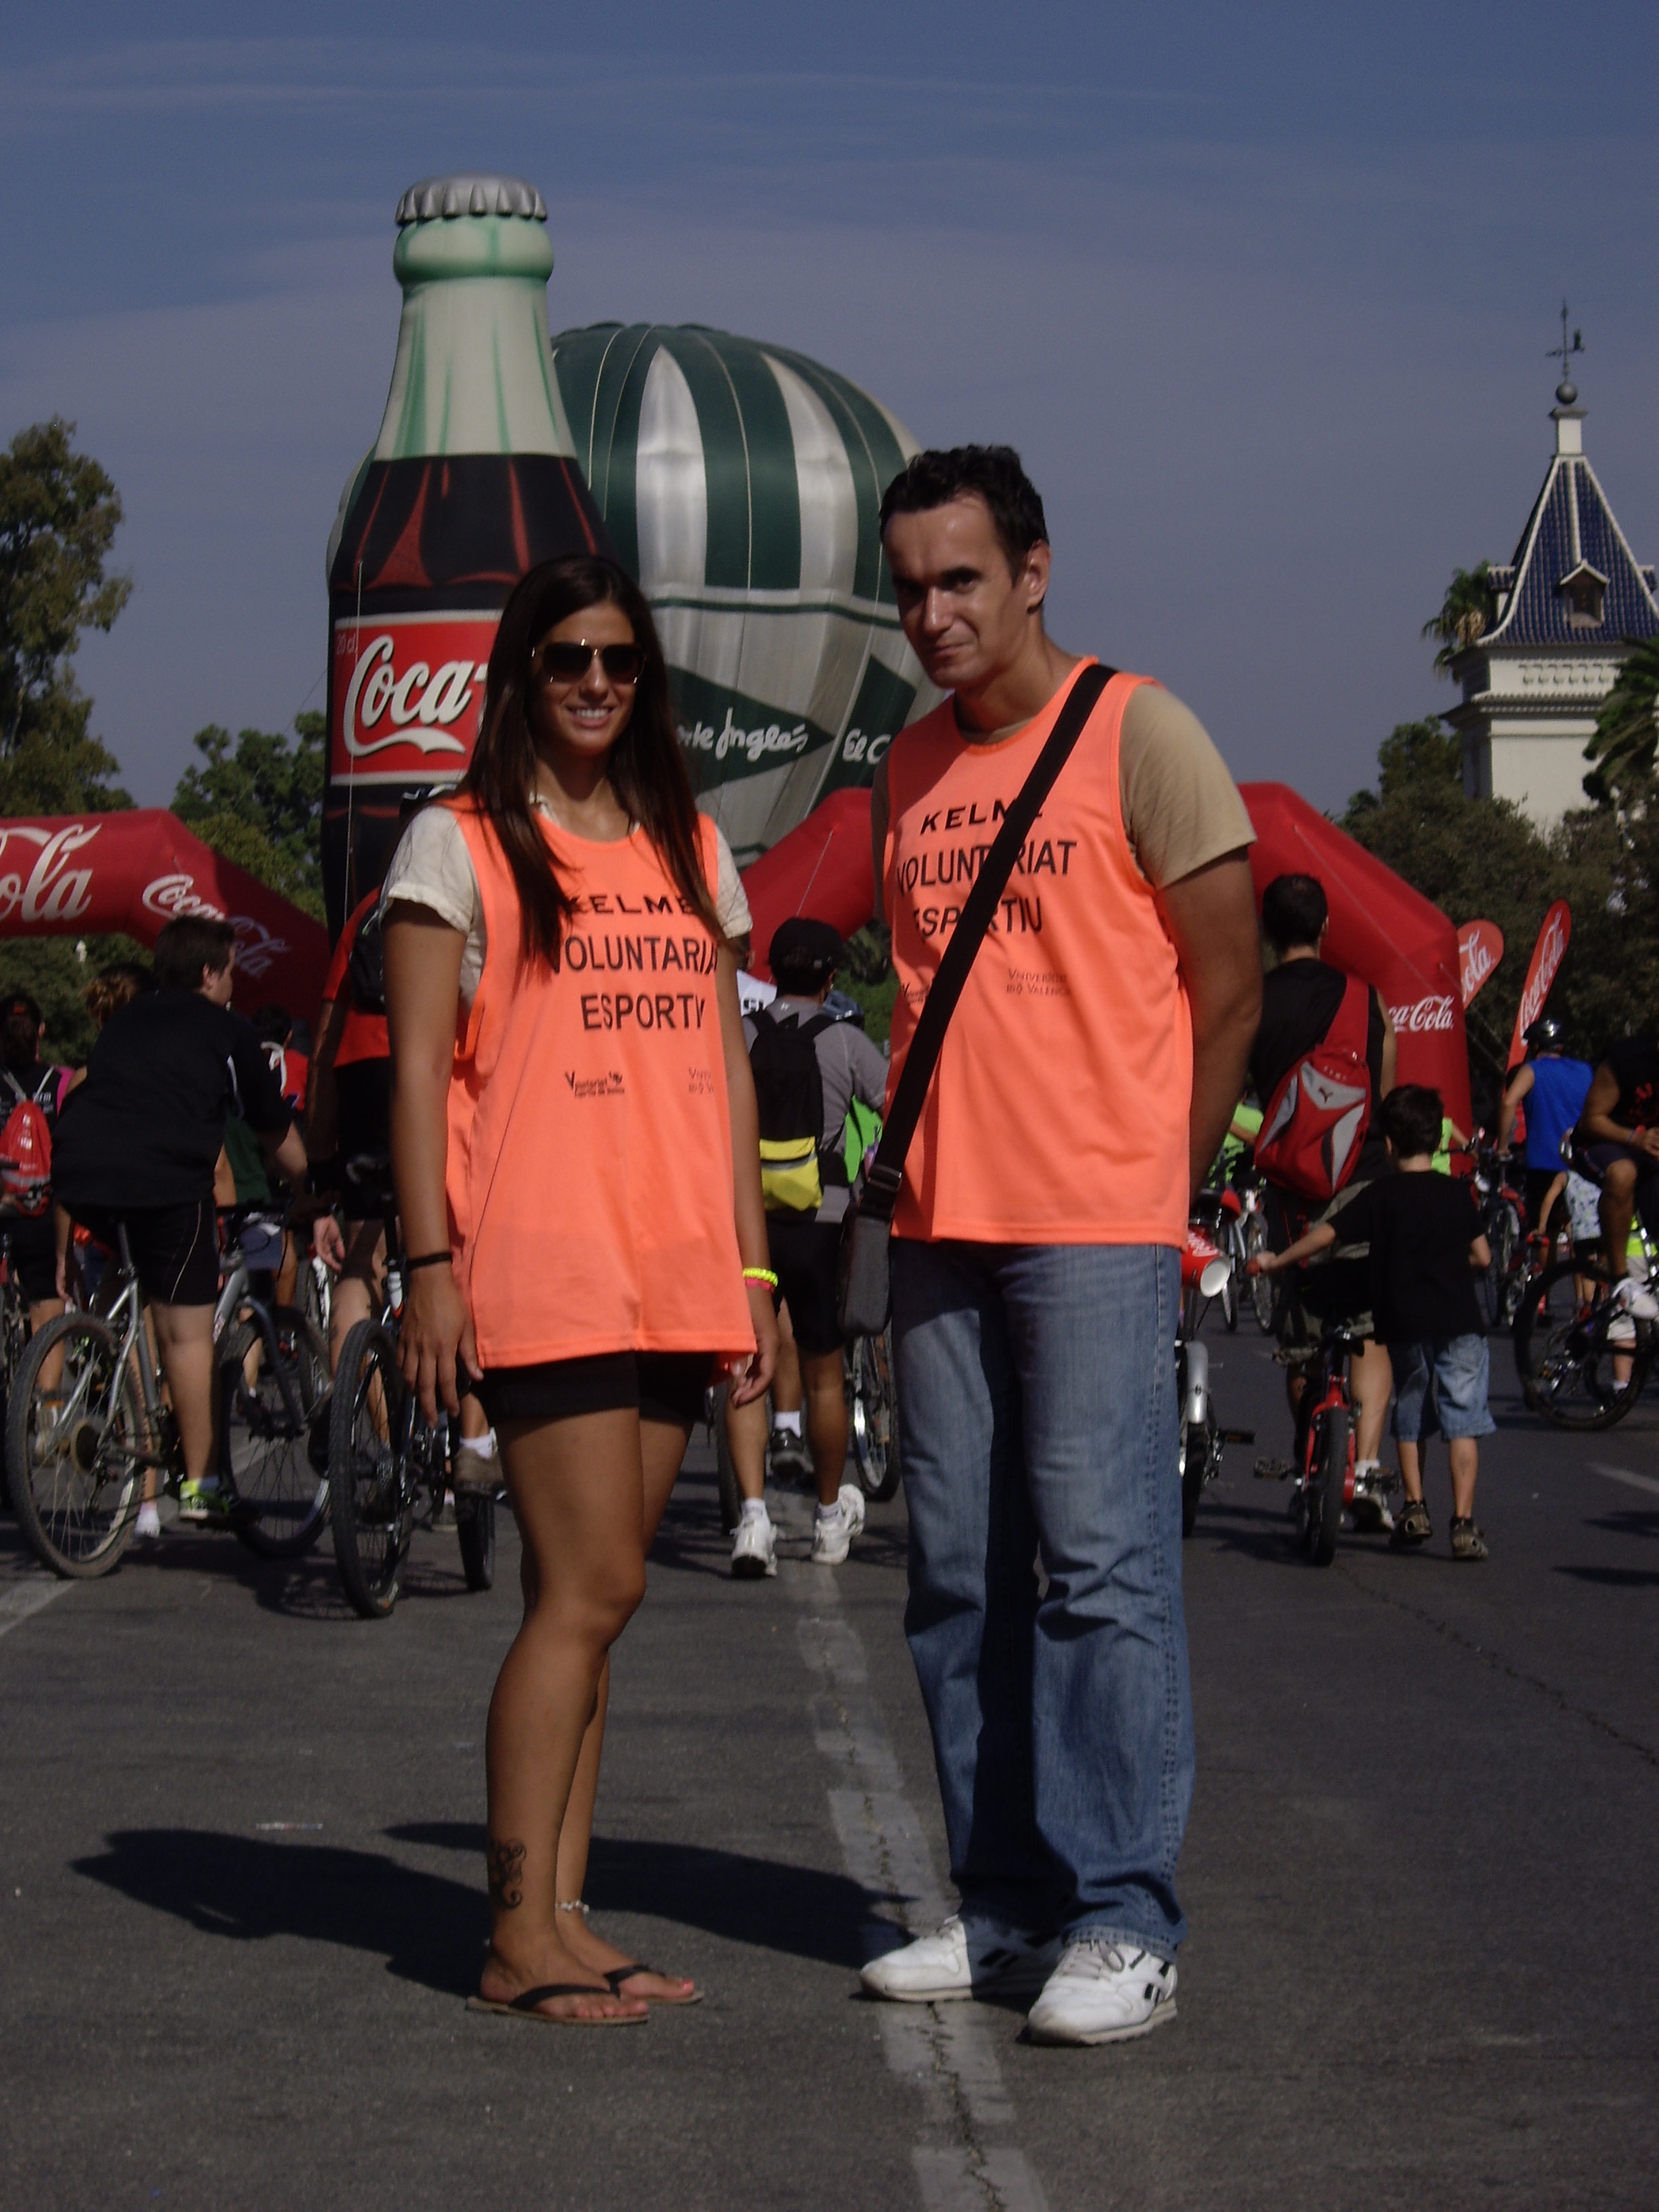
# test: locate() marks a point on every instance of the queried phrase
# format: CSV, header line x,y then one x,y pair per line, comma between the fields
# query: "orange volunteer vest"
x,y
1057,1112
589,1172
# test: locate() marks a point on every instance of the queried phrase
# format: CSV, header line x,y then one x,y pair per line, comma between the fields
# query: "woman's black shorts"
x,y
175,1248
660,1386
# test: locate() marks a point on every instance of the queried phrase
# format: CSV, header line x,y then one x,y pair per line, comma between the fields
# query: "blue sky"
x,y
1263,294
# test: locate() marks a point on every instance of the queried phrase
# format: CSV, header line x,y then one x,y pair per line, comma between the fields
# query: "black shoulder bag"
x,y
863,1286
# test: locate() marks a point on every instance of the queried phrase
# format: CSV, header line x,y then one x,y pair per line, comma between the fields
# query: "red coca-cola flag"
x,y
1547,955
1480,948
86,875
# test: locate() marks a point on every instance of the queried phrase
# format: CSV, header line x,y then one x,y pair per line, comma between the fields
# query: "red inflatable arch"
x,y
1380,929
82,875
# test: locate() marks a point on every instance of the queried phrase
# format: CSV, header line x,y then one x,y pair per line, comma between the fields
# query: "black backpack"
x,y
789,1092
365,969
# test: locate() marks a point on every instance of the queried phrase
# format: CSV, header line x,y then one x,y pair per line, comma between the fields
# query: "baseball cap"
x,y
805,949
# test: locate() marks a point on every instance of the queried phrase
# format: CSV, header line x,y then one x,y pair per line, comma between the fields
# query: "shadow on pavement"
x,y
800,1911
429,1929
1614,1577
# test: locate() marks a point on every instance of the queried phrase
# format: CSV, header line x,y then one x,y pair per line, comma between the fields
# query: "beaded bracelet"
x,y
761,1275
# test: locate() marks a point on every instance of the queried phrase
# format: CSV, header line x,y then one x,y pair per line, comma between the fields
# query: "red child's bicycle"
x,y
1324,1475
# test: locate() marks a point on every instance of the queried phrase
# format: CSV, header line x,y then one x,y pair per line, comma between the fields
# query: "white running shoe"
x,y
1103,1992
962,1958
148,1526
833,1532
755,1548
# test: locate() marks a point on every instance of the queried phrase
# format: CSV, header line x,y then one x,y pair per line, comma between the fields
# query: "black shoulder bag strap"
x,y
887,1169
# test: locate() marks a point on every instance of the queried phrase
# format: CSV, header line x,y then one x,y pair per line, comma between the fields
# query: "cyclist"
x,y
808,1066
1301,998
137,1144
576,1158
1619,1134
1553,1089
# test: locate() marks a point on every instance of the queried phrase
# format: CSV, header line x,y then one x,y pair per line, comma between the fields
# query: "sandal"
x,y
1412,1528
526,2006
618,1975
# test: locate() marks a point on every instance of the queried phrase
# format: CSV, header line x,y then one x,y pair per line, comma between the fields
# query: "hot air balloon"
x,y
741,484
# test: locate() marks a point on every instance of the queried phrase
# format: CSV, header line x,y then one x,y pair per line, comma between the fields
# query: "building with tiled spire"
x,y
1564,613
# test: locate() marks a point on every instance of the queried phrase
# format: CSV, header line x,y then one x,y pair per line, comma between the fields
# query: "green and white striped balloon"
x,y
741,482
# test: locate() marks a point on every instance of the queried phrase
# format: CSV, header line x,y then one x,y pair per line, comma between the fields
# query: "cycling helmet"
x,y
1546,1035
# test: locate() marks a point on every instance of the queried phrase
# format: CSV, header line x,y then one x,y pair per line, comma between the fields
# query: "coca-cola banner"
x,y
407,694
1479,949
90,875
1547,955
1381,929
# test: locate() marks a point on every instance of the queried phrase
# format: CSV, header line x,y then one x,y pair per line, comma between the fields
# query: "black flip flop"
x,y
525,2005
618,1975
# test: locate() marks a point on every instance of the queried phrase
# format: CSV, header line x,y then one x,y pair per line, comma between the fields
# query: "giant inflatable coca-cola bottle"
x,y
472,480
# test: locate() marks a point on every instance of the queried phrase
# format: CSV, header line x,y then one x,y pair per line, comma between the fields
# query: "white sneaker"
x,y
148,1526
755,1548
961,1959
833,1532
1103,1992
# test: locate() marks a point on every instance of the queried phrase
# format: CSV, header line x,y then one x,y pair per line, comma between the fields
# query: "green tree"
x,y
59,513
259,802
1628,726
1464,613
1483,858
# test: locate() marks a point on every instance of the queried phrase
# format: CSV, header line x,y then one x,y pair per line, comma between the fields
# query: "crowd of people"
x,y
615,1189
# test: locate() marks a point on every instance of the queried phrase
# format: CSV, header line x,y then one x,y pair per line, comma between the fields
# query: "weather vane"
x,y
1565,391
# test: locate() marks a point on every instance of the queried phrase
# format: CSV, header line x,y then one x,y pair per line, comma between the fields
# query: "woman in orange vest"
x,y
575,1149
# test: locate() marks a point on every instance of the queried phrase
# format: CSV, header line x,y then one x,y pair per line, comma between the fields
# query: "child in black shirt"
x,y
1425,1243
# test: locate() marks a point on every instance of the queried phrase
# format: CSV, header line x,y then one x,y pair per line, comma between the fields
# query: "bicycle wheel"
x,y
74,1450
269,1411
475,1524
1330,1481
1197,1450
1509,1255
1581,1366
1262,1287
874,1423
369,1499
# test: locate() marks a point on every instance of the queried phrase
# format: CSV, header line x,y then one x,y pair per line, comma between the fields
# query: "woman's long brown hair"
x,y
646,768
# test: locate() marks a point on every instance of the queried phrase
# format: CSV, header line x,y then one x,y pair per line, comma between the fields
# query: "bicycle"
x,y
388,1467
1324,1471
1498,1287
78,1448
1573,1334
1202,1437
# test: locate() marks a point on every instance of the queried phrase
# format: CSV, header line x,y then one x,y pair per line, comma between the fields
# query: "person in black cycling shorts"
x,y
1619,1135
804,956
136,1146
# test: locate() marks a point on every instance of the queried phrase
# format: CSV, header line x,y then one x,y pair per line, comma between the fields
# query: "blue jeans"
x,y
1037,1417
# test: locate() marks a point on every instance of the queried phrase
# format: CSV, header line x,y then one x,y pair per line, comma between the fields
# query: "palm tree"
x,y
1462,615
1628,726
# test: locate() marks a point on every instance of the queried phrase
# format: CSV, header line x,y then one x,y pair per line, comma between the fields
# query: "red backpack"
x,y
1315,1122
26,1145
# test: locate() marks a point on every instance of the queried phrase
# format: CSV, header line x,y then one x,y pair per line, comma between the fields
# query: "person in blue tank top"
x,y
1554,1089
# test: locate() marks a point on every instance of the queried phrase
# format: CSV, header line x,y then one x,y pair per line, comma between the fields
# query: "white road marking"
x,y
943,2051
1624,1474
25,1598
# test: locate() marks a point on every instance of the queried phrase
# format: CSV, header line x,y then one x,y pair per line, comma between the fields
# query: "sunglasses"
x,y
562,662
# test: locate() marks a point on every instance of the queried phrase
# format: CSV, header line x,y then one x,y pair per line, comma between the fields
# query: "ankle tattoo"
x,y
505,1860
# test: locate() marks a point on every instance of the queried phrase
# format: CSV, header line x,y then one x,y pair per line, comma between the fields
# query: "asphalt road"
x,y
239,1842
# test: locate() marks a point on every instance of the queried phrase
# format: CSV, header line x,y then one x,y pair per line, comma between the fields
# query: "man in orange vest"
x,y
1087,1078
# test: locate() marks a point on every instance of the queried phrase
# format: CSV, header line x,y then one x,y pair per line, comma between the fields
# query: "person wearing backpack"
x,y
809,1068
1319,1146
31,1091
136,1146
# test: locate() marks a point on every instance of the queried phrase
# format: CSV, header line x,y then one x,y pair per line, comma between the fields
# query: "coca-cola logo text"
x,y
408,692
1552,950
258,948
50,891
1430,1013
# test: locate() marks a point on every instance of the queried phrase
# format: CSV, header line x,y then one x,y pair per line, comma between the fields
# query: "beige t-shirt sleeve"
x,y
1181,806
432,867
731,901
